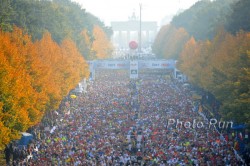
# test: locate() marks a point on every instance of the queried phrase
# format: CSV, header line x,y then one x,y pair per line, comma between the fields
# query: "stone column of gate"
x,y
147,36
120,38
128,37
154,34
113,37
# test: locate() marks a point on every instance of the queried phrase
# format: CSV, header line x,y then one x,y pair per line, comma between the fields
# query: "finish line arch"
x,y
133,65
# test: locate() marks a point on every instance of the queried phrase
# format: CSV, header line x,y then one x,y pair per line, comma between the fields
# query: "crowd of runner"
x,y
121,122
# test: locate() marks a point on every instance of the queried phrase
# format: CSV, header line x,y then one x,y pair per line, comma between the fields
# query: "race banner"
x,y
112,64
125,64
132,66
133,69
157,64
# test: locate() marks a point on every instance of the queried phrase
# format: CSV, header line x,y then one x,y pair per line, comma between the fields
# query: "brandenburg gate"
x,y
126,31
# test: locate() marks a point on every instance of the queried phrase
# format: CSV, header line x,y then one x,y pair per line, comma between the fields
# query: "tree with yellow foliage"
x,y
86,44
221,66
74,65
18,98
186,60
101,47
169,42
49,54
34,78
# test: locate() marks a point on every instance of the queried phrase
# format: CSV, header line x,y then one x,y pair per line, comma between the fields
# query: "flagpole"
x,y
140,30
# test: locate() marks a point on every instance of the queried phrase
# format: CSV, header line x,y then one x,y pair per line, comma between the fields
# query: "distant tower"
x,y
132,17
127,31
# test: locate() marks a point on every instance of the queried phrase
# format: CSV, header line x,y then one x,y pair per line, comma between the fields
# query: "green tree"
x,y
62,18
6,13
203,18
239,19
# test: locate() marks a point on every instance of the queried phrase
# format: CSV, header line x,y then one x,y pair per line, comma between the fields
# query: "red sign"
x,y
133,45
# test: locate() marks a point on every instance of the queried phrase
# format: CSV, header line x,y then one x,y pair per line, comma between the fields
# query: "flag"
x,y
36,149
240,136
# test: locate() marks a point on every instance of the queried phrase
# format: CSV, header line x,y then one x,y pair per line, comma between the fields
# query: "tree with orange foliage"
x,y
175,43
221,66
49,54
86,44
169,42
74,65
187,59
34,78
19,110
230,83
159,41
101,47
65,65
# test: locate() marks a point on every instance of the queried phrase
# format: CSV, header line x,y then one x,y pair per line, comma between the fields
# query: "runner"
x,y
123,122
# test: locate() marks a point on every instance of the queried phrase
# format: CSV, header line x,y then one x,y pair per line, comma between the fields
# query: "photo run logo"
x,y
195,124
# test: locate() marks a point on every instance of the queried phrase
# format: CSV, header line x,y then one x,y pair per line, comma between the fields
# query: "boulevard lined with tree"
x,y
44,46
211,42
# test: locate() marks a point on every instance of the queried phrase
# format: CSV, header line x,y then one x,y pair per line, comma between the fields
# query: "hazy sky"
x,y
120,10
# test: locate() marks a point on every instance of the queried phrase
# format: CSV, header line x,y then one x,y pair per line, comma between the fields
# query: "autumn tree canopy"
x,y
34,78
221,66
101,47
211,40
169,42
43,59
62,18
